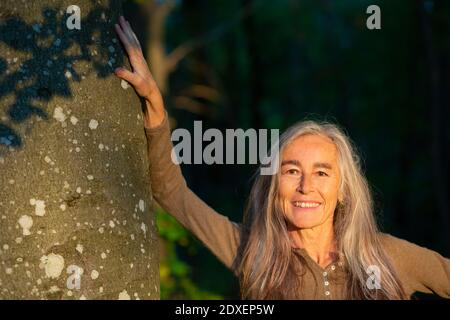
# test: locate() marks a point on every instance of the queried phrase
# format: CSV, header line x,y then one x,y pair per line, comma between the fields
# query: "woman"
x,y
309,230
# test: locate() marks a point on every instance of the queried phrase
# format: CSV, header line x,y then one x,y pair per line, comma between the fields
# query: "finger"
x,y
123,38
126,75
122,22
131,35
131,46
126,28
134,36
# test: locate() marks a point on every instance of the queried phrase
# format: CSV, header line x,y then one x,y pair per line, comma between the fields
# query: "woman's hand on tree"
x,y
140,77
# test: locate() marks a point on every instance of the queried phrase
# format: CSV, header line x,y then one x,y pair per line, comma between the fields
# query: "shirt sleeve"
x,y
421,269
169,189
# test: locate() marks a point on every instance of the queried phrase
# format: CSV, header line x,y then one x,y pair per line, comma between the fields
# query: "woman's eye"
x,y
322,174
292,171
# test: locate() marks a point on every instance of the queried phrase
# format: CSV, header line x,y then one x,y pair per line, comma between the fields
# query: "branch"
x,y
202,91
186,103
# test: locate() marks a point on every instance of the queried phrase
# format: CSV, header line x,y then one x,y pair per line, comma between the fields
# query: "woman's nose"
x,y
304,185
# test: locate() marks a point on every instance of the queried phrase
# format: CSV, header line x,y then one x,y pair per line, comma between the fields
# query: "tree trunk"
x,y
75,218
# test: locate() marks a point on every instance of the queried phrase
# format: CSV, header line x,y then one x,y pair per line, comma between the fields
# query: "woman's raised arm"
x,y
169,187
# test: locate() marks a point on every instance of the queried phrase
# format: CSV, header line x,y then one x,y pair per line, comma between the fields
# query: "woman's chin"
x,y
306,222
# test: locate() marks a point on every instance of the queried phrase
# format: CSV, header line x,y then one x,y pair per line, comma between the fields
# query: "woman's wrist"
x,y
153,116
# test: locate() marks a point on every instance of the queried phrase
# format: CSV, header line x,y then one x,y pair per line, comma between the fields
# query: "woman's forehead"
x,y
311,148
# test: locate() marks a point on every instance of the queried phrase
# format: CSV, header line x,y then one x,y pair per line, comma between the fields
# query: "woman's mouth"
x,y
306,205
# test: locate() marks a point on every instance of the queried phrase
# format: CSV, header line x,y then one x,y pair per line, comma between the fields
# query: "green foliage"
x,y
175,274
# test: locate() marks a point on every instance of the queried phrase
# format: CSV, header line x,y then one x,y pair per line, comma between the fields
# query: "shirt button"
x,y
326,283
333,267
325,274
327,293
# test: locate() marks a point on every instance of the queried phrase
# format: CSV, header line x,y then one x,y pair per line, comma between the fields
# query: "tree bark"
x,y
75,196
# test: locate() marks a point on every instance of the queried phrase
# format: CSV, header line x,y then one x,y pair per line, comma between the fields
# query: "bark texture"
x,y
75,201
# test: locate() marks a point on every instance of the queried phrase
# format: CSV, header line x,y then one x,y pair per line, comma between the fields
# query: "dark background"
x,y
269,64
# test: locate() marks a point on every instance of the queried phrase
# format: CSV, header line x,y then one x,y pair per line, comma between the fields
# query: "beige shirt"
x,y
418,268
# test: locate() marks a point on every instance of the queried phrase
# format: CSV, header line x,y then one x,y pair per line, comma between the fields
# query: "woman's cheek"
x,y
286,188
330,189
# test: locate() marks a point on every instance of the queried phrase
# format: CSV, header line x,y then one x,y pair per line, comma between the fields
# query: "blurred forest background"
x,y
267,64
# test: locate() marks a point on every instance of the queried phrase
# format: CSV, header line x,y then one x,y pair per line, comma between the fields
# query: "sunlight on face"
x,y
309,181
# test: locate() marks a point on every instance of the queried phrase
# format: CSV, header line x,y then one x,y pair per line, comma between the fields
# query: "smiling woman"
x,y
319,203
309,230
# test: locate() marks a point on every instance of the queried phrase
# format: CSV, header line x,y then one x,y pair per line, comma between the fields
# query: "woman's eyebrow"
x,y
323,165
294,162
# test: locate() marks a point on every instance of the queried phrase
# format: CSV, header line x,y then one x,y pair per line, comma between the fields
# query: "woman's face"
x,y
309,181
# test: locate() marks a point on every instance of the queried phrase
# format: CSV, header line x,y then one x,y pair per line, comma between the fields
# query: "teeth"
x,y
306,204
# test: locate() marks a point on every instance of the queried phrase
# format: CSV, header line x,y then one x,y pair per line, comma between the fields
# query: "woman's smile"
x,y
306,204
306,208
